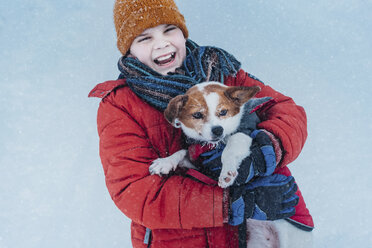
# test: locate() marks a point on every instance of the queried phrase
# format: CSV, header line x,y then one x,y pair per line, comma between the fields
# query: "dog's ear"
x,y
174,107
241,94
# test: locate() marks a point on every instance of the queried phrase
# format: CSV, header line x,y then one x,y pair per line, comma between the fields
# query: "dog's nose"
x,y
217,131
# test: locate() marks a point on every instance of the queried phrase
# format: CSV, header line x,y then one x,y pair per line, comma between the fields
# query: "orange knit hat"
x,y
132,17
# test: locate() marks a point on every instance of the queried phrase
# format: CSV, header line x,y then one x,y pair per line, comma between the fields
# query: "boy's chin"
x,y
165,72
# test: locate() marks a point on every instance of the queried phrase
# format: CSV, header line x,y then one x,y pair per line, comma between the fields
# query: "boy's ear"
x,y
241,94
173,109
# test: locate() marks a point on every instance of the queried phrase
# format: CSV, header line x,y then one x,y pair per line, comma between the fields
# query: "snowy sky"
x,y
53,52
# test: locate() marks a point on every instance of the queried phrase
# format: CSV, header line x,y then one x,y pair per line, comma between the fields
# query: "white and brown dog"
x,y
211,112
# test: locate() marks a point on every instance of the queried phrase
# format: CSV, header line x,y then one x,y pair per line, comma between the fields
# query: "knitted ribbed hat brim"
x,y
132,17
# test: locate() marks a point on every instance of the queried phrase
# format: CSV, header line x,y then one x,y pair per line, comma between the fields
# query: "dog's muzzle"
x,y
217,132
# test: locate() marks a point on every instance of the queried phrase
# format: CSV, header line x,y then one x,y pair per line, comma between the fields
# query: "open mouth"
x,y
216,140
166,59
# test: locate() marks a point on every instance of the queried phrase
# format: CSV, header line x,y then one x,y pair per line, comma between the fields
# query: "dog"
x,y
212,113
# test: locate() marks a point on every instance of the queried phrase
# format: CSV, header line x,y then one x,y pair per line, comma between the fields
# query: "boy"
x,y
159,63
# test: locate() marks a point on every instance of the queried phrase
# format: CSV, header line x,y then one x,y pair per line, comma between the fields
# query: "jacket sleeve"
x,y
174,202
286,120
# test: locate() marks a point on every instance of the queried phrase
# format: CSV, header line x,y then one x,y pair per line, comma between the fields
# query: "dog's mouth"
x,y
165,59
211,138
214,143
216,140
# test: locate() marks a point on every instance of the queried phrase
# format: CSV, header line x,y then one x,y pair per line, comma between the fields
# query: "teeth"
x,y
164,58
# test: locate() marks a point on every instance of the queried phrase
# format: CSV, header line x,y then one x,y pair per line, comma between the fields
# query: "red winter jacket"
x,y
180,211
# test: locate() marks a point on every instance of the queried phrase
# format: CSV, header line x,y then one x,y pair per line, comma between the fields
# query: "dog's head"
x,y
208,112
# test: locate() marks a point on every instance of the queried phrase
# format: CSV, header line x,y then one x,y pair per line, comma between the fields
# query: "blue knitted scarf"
x,y
202,63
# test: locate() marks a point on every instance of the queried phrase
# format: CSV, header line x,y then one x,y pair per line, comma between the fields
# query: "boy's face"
x,y
162,48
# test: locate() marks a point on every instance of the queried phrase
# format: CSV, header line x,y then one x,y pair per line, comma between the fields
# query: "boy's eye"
x,y
169,29
143,39
223,112
197,115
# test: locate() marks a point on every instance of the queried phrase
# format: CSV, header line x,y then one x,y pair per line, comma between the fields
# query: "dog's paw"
x,y
162,166
227,178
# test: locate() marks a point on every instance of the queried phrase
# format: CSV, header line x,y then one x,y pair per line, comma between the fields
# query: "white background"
x,y
52,53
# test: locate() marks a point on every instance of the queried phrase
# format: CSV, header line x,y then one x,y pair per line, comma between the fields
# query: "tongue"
x,y
165,61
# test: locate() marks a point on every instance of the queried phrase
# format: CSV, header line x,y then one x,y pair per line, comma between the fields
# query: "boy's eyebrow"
x,y
143,34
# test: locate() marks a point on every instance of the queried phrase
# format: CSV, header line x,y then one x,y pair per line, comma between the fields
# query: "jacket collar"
x,y
103,89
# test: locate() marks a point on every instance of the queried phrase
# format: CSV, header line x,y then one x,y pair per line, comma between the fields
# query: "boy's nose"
x,y
161,44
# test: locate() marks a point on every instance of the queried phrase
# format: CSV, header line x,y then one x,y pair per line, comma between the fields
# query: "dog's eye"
x,y
197,115
223,112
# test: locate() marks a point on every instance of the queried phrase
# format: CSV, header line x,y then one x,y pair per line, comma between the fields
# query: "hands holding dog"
x,y
268,197
261,162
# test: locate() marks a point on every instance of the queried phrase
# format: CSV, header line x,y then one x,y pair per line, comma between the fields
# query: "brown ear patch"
x,y
240,94
174,107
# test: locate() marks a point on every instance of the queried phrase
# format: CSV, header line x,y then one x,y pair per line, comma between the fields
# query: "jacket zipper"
x,y
148,236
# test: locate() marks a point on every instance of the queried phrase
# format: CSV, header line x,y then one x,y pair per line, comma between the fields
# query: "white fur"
x,y
212,101
293,237
237,148
162,166
262,234
276,234
201,86
192,133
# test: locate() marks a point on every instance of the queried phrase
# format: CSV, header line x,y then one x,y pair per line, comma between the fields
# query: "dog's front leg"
x,y
237,148
162,166
187,164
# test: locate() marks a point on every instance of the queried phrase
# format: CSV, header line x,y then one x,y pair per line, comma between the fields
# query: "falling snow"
x,y
52,53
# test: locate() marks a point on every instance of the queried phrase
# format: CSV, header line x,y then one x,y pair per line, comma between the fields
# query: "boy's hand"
x,y
262,153
262,160
212,164
267,198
